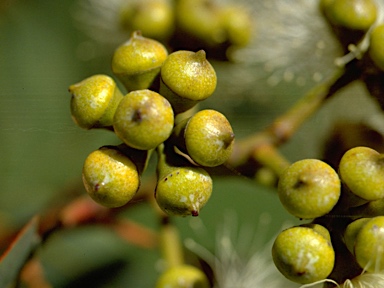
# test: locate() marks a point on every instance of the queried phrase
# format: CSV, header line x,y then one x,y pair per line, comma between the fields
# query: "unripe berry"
x,y
184,276
376,48
110,177
237,25
369,245
309,188
144,119
187,78
181,190
207,137
200,19
362,170
154,18
351,232
351,14
94,101
137,62
303,255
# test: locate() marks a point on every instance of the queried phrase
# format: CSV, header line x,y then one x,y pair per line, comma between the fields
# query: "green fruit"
x,y
237,24
351,14
200,19
319,229
369,245
362,170
207,137
186,79
154,18
351,232
94,101
303,255
181,190
143,120
376,48
137,62
309,188
110,177
183,276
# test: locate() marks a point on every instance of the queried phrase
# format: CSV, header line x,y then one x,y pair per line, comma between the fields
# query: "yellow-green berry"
x,y
303,255
362,170
187,78
376,48
154,18
351,232
181,190
183,276
237,24
144,119
207,137
110,177
137,62
351,14
94,101
309,188
369,245
201,20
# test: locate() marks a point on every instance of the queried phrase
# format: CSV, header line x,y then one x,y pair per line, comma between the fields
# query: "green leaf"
x,y
18,252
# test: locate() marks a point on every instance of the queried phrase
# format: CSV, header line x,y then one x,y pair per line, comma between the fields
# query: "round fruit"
x,y
110,177
137,62
187,78
184,276
376,48
369,245
154,18
351,14
94,101
143,120
309,188
362,170
209,138
303,255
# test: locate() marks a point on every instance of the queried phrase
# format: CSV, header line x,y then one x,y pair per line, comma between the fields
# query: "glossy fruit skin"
x,y
187,78
144,119
183,276
361,169
309,188
154,18
369,245
351,14
110,177
209,138
376,48
303,255
94,101
137,62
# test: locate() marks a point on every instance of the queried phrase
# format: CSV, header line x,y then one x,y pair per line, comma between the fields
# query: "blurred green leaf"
x,y
20,249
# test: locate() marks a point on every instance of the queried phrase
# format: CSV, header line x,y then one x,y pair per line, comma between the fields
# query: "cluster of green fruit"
x,y
353,20
160,88
189,23
347,205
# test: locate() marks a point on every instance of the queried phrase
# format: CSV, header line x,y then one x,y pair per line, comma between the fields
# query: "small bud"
x,y
94,101
183,276
186,79
137,62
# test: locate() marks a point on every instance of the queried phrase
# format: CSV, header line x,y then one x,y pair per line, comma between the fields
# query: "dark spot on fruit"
x,y
137,116
195,213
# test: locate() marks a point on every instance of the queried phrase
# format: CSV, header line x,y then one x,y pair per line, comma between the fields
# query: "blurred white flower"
x,y
240,258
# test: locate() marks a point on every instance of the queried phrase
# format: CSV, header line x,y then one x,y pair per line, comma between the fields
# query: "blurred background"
x,y
42,52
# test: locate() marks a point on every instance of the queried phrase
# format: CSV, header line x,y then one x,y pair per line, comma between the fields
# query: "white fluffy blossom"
x,y
240,259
